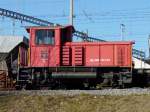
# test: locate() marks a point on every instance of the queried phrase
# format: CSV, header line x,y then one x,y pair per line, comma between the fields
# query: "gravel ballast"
x,y
114,92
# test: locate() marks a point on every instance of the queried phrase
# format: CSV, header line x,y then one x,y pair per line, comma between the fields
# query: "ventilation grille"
x,y
79,54
66,56
121,56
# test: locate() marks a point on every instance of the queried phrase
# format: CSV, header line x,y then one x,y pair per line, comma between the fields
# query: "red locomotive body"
x,y
56,52
52,54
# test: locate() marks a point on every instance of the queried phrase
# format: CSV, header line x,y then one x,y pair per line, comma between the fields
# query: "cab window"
x,y
44,37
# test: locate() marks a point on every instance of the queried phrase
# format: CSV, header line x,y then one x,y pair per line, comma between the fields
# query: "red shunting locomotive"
x,y
53,60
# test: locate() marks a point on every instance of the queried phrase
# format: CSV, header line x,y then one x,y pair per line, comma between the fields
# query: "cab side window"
x,y
44,37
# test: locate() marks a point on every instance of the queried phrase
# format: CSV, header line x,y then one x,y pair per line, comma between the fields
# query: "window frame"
x,y
35,40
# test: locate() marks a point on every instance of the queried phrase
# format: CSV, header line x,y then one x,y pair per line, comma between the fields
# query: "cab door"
x,y
42,44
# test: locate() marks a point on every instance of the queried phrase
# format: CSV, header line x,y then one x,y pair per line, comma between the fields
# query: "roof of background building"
x,y
7,43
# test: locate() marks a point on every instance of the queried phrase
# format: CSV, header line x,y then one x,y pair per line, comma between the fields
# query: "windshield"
x,y
45,37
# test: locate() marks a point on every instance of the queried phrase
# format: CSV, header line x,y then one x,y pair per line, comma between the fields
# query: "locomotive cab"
x,y
45,44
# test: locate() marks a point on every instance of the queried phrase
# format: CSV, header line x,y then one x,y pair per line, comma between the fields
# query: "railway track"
x,y
113,92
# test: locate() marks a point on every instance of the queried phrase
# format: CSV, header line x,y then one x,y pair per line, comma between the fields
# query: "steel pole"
x,y
71,13
149,45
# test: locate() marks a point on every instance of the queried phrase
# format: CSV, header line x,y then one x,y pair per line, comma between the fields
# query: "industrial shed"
x,y
9,48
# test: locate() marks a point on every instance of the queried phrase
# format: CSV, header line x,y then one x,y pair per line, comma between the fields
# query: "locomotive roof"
x,y
49,27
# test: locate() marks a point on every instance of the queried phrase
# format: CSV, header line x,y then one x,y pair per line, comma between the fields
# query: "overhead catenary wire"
x,y
105,15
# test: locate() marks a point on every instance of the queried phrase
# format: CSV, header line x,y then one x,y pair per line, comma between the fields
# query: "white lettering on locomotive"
x,y
100,60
